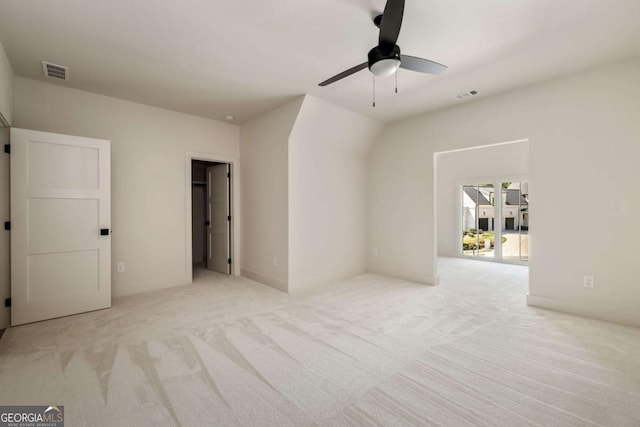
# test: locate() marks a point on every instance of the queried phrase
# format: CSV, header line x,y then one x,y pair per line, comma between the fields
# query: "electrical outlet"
x,y
120,267
274,262
589,282
374,252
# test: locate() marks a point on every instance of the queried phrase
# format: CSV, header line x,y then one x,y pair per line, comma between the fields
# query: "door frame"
x,y
234,206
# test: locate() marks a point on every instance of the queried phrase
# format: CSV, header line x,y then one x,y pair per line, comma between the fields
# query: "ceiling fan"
x,y
385,59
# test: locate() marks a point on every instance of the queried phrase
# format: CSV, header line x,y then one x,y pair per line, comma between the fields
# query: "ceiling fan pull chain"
x,y
396,80
374,91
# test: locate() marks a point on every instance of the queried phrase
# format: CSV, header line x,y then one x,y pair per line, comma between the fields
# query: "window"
x,y
478,220
495,220
515,232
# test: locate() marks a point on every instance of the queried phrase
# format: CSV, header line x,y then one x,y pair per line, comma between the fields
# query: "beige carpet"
x,y
367,351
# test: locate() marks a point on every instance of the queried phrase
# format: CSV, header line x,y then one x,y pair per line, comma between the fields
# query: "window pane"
x,y
515,221
478,220
469,200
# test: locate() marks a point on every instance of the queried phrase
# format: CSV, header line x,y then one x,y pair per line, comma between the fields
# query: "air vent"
x,y
465,95
55,71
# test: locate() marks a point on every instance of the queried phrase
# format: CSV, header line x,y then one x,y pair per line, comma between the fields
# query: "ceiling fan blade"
x,y
344,74
421,65
391,23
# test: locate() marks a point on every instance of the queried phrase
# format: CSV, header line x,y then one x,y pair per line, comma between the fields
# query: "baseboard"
x,y
119,290
406,275
306,283
626,318
265,280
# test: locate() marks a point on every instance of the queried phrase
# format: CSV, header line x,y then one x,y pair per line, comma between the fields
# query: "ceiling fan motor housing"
x,y
387,61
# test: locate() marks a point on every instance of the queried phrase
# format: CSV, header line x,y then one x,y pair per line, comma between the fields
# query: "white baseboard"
x,y
306,283
119,291
563,306
406,275
265,280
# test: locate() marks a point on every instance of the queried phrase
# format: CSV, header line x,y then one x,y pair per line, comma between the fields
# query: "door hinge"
x,y
7,302
7,225
229,261
7,148
229,218
228,174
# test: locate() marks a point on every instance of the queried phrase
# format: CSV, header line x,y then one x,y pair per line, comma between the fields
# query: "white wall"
x,y
6,108
6,86
472,165
265,196
148,149
305,194
328,151
584,135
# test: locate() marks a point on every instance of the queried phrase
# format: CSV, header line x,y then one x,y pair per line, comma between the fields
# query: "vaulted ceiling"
x,y
214,58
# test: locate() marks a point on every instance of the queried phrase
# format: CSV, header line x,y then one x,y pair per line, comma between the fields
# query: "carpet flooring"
x,y
366,351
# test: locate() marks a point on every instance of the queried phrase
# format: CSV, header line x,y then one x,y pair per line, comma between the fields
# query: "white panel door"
x,y
60,202
218,230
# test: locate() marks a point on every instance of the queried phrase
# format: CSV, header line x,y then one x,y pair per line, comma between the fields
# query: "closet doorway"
x,y
211,244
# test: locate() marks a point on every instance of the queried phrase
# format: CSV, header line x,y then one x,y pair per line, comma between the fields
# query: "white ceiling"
x,y
243,57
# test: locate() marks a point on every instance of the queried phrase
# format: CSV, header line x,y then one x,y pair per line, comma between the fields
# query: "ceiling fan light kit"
x,y
383,64
385,59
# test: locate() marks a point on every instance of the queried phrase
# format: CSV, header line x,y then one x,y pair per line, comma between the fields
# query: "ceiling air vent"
x,y
55,71
465,95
